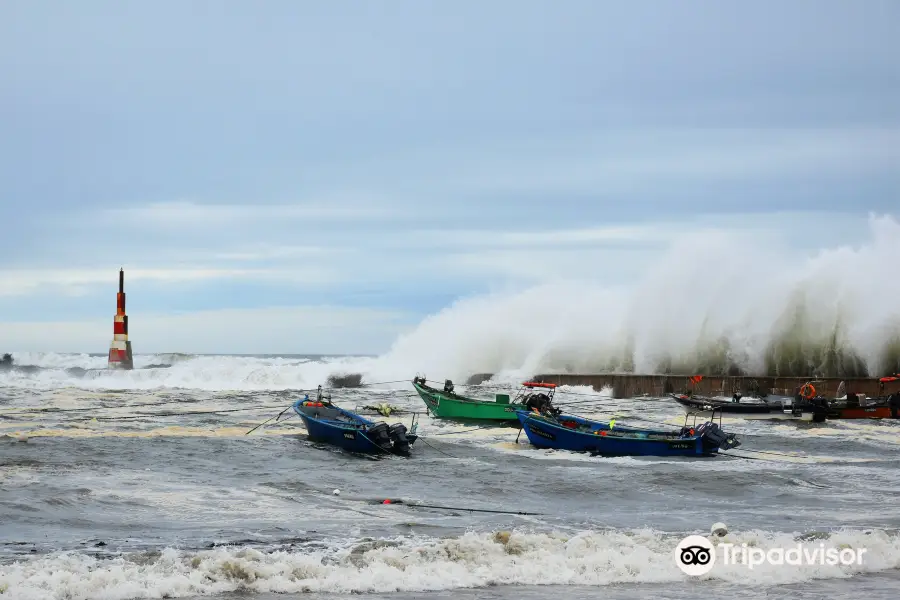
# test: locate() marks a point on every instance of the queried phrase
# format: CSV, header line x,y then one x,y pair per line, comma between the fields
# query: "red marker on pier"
x,y
120,356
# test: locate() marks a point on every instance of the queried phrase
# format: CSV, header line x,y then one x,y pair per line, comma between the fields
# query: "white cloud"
x,y
266,252
287,330
199,216
17,282
637,163
643,233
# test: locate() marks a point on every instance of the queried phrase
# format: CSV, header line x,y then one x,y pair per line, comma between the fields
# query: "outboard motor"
x,y
819,409
713,437
448,386
397,433
541,403
380,435
730,442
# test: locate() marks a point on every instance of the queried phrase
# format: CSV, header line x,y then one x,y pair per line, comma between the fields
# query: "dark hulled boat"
x,y
331,424
770,407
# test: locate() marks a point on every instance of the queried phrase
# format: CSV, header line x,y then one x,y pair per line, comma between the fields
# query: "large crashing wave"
x,y
716,305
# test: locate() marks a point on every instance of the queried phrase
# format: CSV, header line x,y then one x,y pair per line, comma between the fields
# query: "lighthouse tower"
x,y
120,348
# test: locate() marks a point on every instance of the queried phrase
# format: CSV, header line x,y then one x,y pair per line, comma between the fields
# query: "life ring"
x,y
808,391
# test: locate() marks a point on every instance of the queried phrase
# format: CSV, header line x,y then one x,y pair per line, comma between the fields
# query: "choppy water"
x,y
126,490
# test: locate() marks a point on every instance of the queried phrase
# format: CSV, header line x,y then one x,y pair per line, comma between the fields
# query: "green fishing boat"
x,y
447,404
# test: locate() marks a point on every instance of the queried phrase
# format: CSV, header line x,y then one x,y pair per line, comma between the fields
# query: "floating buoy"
x,y
388,501
336,492
719,529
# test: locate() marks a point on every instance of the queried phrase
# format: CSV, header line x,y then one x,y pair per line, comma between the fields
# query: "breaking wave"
x,y
423,564
717,305
205,372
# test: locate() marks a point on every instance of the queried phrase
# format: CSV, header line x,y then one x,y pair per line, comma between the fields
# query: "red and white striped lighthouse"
x,y
120,348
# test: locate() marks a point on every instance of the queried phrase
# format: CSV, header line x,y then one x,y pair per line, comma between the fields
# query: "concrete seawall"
x,y
627,386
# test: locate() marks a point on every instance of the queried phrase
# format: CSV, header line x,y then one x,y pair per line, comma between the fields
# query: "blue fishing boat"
x,y
331,424
606,438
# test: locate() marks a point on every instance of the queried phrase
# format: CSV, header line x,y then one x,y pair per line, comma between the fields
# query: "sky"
x,y
305,177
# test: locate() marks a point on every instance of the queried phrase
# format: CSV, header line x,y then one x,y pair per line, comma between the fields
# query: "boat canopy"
x,y
534,384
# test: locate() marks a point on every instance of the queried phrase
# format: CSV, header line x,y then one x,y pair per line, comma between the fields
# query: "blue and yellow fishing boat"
x,y
606,438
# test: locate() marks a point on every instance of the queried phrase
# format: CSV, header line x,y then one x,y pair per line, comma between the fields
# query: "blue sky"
x,y
337,171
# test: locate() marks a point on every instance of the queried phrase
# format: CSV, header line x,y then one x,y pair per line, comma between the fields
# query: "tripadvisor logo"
x,y
695,555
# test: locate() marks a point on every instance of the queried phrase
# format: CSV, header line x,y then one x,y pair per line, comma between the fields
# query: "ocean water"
x,y
145,484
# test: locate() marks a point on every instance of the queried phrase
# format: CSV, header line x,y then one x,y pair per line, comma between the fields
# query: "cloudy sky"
x,y
288,176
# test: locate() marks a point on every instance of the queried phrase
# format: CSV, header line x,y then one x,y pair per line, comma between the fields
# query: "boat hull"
x,y
546,433
859,412
704,409
352,440
347,430
452,406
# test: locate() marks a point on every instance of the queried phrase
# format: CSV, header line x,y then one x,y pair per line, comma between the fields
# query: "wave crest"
x,y
422,564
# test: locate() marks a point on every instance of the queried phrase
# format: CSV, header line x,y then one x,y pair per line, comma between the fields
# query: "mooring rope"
x,y
438,449
178,414
277,417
